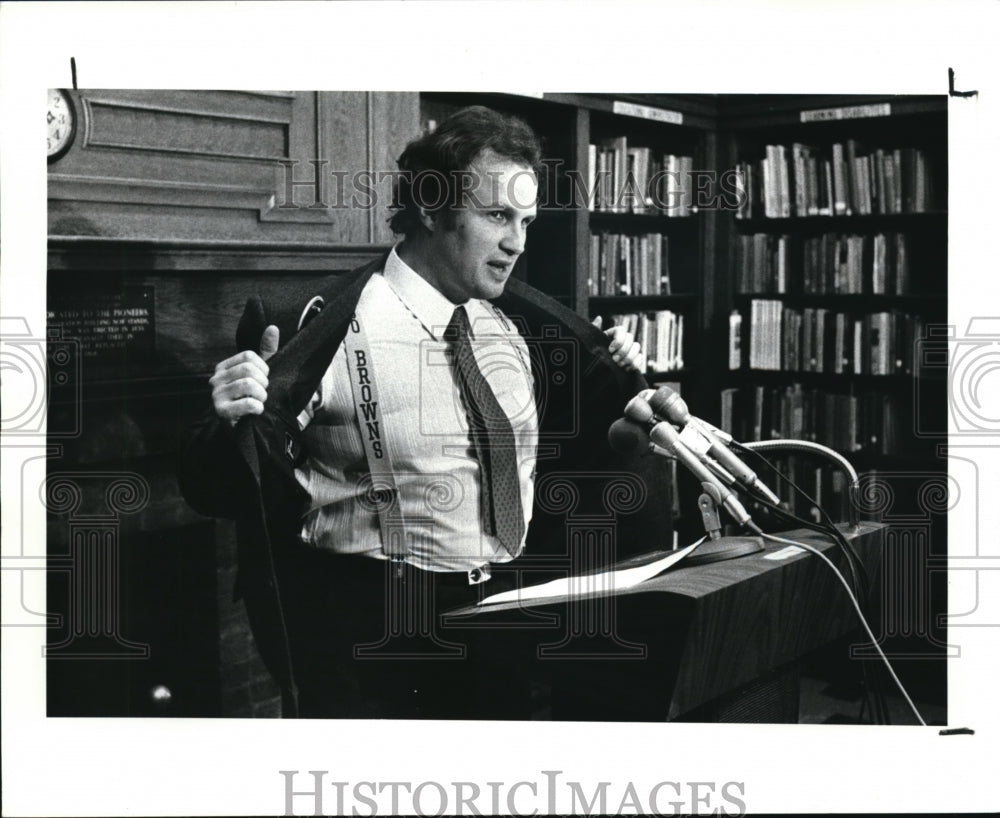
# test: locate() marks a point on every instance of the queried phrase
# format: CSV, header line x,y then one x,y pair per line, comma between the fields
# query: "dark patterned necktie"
x,y
493,438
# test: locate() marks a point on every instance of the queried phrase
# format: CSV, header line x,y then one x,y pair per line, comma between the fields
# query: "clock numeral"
x,y
60,124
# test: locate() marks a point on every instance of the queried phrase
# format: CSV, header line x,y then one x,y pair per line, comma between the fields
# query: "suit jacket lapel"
x,y
520,299
297,367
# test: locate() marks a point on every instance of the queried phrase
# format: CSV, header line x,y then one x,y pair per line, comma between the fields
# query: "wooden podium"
x,y
709,642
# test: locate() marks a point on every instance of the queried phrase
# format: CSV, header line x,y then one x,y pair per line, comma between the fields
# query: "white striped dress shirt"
x,y
423,426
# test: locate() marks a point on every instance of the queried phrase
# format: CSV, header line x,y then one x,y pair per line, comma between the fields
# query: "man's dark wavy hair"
x,y
450,149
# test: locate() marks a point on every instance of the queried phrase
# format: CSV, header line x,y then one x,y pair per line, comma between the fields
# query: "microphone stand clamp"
x,y
717,548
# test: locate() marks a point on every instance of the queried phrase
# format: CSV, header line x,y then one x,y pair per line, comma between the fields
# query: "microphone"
x,y
628,437
671,406
666,403
666,436
639,411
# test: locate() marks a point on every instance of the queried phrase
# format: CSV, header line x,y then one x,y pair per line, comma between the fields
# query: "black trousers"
x,y
367,641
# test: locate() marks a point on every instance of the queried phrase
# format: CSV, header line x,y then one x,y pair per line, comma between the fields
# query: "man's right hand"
x,y
239,385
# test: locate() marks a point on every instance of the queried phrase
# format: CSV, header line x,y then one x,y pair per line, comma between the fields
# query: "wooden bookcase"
x,y
832,267
898,407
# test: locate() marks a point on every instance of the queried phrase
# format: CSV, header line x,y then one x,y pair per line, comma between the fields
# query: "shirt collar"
x,y
420,297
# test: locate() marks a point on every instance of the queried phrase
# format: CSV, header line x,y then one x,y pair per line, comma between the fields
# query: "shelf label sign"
x,y
847,112
648,112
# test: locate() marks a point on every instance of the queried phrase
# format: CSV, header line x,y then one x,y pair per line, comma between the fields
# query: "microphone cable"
x,y
859,574
861,616
870,684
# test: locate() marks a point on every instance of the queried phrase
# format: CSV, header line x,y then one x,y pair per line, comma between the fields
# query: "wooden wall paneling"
x,y
209,165
152,135
169,164
95,255
301,183
350,138
342,124
395,121
154,128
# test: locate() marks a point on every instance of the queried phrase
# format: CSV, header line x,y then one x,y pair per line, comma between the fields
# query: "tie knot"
x,y
459,325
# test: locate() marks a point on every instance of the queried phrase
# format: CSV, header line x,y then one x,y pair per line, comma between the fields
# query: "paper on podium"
x,y
590,584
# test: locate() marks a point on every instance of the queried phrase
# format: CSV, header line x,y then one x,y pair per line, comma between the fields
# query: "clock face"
x,y
61,118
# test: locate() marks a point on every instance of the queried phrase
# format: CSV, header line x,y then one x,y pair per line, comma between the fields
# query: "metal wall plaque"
x,y
112,326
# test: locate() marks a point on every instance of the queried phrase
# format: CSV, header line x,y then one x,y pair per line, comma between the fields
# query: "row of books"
x,y
660,335
623,179
875,264
821,340
867,422
839,180
629,265
762,262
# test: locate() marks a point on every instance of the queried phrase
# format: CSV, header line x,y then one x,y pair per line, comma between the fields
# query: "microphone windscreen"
x,y
626,437
665,436
669,405
639,410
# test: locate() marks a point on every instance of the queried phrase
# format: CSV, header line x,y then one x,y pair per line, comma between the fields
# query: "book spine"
x,y
735,331
591,191
839,180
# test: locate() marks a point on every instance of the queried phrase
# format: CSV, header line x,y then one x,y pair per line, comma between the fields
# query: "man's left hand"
x,y
624,349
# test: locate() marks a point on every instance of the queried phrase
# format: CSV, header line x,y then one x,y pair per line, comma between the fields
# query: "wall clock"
x,y
61,118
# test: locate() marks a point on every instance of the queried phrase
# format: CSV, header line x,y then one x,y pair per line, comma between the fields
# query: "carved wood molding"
x,y
138,256
120,190
159,128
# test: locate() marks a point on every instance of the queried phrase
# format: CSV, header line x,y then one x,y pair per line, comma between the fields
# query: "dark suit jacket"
x,y
247,472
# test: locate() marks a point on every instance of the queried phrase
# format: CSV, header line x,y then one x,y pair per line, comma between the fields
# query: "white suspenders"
x,y
382,493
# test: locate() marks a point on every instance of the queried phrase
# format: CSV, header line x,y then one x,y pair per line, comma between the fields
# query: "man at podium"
x,y
401,441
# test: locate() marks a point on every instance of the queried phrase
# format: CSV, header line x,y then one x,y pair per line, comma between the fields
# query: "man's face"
x,y
474,248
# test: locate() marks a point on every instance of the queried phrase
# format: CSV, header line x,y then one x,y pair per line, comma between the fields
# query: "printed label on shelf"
x,y
785,553
648,112
846,112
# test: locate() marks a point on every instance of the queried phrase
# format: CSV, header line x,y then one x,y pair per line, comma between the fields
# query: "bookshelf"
x,y
647,240
835,284
837,266
833,277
